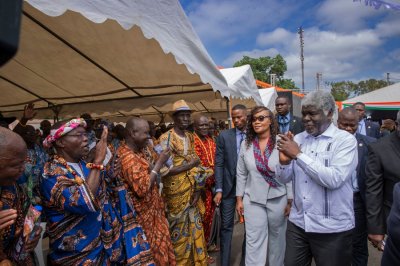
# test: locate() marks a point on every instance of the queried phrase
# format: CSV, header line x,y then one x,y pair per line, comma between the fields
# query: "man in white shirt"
x,y
320,161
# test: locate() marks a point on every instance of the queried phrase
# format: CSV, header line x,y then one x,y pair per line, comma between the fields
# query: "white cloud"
x,y
395,55
336,55
389,27
256,53
221,20
346,39
340,46
346,15
277,36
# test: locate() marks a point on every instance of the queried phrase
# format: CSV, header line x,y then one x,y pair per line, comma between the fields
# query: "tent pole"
x,y
56,110
228,111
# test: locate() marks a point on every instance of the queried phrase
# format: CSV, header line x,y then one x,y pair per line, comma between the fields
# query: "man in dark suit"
x,y
391,254
227,150
348,120
383,172
366,127
286,121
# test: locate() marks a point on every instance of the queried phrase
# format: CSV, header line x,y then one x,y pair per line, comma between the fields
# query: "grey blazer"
x,y
250,181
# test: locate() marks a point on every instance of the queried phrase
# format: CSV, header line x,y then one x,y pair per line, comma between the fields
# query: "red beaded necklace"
x,y
207,150
78,179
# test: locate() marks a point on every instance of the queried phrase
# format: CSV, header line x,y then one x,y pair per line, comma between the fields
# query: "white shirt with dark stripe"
x,y
321,175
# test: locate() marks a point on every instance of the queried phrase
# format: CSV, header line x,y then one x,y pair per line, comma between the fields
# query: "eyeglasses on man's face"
x,y
79,135
259,118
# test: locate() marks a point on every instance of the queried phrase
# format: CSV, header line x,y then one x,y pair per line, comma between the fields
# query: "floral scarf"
x,y
262,161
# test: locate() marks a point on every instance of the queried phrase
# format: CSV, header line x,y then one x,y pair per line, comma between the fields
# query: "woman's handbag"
x,y
215,228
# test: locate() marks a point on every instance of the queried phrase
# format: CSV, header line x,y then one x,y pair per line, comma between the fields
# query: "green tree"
x,y
342,90
287,84
370,85
262,67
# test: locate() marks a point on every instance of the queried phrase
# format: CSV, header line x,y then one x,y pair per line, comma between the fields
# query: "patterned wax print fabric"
x,y
184,219
205,149
12,197
117,203
148,204
29,179
115,144
86,229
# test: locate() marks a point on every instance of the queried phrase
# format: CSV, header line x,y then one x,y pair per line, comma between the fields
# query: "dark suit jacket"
x,y
363,142
225,163
382,172
391,254
372,129
296,124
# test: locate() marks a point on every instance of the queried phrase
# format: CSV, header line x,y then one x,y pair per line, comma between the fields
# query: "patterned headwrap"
x,y
56,134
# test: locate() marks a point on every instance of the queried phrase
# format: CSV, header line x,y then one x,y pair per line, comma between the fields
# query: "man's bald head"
x,y
199,119
348,120
201,125
12,156
137,133
135,122
348,111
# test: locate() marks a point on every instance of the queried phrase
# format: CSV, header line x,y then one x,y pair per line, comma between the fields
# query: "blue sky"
x,y
344,40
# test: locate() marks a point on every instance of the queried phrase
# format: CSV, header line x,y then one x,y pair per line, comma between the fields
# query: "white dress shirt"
x,y
321,175
361,127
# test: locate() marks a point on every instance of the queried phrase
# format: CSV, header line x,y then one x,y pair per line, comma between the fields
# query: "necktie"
x,y
241,137
283,122
242,134
359,129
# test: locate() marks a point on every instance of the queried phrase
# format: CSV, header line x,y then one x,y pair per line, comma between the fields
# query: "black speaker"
x,y
10,24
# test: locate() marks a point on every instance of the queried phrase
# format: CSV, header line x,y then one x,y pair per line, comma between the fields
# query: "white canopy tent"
x,y
387,98
240,82
268,97
110,58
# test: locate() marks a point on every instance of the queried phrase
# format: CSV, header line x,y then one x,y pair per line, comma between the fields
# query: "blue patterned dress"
x,y
86,229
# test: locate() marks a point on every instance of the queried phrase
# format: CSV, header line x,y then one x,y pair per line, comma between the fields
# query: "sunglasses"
x,y
259,118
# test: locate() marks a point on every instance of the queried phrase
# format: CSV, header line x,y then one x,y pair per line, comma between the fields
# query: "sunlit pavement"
x,y
374,254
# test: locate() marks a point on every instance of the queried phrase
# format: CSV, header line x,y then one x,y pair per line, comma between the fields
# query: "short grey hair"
x,y
322,100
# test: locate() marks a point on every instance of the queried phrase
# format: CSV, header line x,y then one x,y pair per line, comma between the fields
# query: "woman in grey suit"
x,y
262,200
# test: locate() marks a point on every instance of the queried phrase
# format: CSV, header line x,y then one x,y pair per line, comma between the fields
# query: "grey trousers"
x,y
265,231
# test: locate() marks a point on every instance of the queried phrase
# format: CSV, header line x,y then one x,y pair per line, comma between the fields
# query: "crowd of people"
x,y
144,194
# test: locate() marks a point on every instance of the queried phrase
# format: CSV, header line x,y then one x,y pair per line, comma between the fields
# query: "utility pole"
x,y
300,32
273,79
387,78
319,78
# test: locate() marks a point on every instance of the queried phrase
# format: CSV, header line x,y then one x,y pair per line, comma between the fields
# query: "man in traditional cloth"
x,y
35,160
12,201
182,188
139,171
87,225
205,148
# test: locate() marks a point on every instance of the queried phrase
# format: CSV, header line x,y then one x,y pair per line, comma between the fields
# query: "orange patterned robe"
x,y
147,202
205,149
